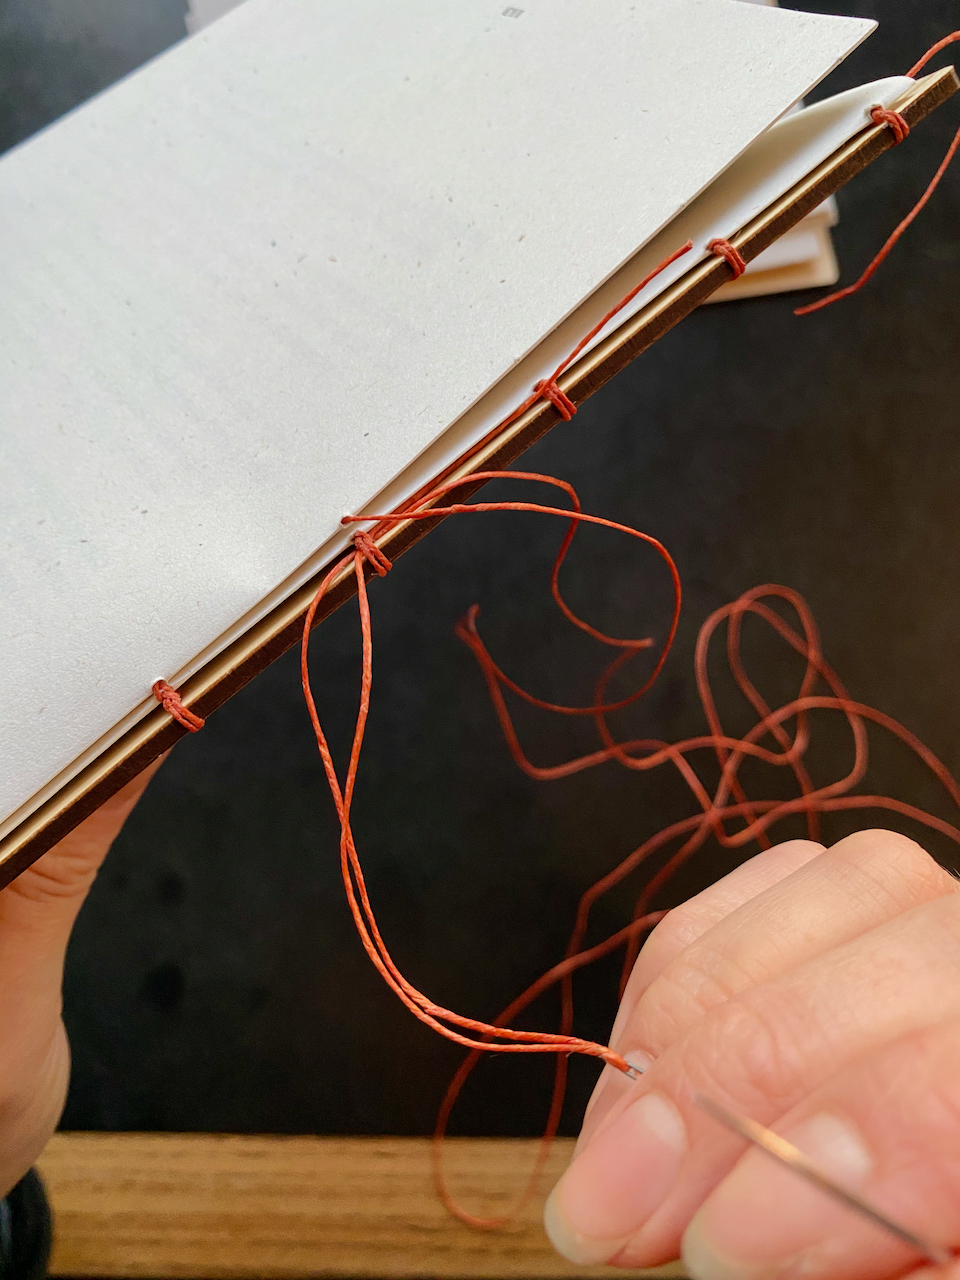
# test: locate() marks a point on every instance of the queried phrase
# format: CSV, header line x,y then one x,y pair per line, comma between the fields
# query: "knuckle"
x,y
756,1053
691,985
895,868
674,932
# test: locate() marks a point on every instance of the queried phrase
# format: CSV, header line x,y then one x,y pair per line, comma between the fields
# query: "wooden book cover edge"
x,y
251,653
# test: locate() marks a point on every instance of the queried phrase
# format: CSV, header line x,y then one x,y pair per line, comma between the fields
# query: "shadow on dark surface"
x,y
54,54
215,981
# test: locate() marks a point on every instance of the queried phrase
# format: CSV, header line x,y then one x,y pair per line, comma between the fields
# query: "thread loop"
x,y
371,553
548,389
724,249
171,702
892,119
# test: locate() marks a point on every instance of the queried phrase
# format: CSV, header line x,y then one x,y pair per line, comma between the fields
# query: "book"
x,y
303,264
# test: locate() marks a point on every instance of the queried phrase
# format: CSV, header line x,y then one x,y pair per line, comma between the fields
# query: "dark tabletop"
x,y
215,981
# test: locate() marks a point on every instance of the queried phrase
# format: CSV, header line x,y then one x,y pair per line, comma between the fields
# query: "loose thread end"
x,y
614,1059
893,120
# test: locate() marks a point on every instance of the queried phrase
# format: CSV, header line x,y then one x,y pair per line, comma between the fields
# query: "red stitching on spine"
x,y
372,553
548,389
893,119
170,700
724,249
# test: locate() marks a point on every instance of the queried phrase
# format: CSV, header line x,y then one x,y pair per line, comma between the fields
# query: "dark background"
x,y
215,981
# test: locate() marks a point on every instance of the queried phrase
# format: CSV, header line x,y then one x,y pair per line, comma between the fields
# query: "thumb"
x,y
37,912
38,909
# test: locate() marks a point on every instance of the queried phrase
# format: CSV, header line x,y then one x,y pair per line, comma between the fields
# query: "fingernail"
x,y
764,1219
614,1184
612,1086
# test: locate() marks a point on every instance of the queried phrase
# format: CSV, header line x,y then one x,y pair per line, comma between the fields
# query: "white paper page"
x,y
802,243
247,286
802,246
766,171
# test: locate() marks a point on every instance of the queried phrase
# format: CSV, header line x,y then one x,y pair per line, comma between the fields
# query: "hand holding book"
x,y
37,913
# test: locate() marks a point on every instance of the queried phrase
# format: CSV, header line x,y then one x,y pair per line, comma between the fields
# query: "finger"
x,y
69,867
887,1127
630,1192
860,883
688,922
37,910
949,1272
682,927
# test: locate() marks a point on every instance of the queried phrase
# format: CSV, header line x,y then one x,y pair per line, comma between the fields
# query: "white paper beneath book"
x,y
297,264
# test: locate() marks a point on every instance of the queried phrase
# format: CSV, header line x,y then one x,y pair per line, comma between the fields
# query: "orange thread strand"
x,y
445,1021
169,699
725,803
365,550
900,128
934,49
722,804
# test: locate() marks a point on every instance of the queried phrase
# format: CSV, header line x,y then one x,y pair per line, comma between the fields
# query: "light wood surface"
x,y
193,1205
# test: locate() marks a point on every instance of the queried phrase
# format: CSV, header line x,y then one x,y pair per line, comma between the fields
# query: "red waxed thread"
x,y
372,553
900,128
892,119
169,699
725,812
445,1021
448,1023
719,807
724,249
696,829
717,811
547,389
934,49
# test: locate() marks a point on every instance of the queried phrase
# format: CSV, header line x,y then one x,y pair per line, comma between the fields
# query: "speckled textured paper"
x,y
248,286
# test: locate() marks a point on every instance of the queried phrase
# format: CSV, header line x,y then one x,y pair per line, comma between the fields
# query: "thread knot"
x,y
548,389
724,249
171,702
372,553
893,119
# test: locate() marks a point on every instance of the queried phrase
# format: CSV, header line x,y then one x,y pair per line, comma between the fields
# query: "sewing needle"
x,y
787,1154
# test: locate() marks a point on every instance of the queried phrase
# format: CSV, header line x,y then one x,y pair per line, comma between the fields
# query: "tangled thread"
x,y
780,738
